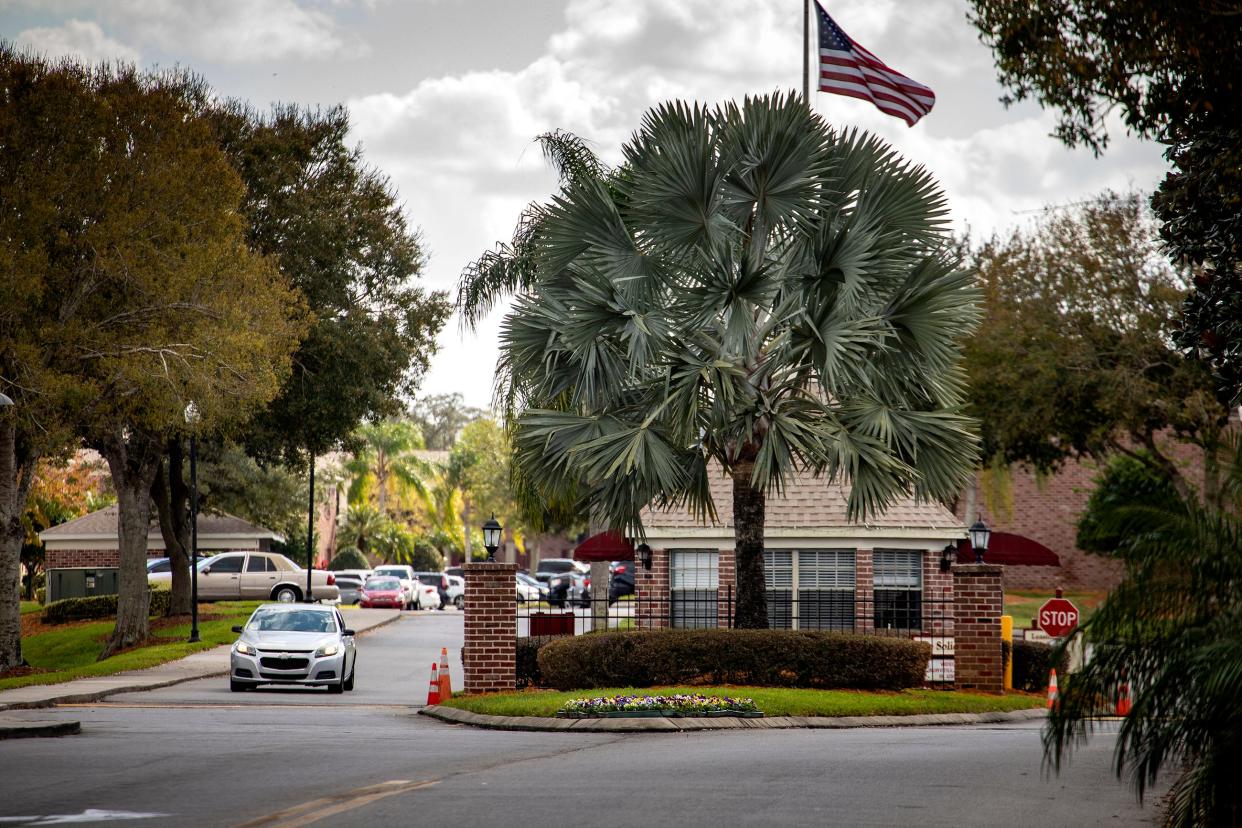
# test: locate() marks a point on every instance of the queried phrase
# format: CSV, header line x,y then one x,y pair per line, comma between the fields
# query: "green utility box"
x,y
79,583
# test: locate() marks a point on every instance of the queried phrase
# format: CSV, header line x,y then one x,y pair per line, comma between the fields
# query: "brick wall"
x,y
489,653
979,596
726,586
864,590
652,588
938,608
82,558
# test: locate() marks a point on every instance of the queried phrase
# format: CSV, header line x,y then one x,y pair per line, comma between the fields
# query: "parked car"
x,y
571,587
457,590
405,574
529,589
438,580
165,564
557,566
621,580
230,576
350,587
294,644
360,574
456,571
383,591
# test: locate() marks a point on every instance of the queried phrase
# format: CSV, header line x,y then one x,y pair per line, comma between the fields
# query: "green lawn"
x,y
71,652
1023,604
30,606
774,701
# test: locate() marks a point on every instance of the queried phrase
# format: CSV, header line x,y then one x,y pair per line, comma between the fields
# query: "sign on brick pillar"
x,y
652,588
979,599
489,653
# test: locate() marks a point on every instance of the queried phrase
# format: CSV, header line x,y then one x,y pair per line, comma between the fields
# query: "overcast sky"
x,y
445,98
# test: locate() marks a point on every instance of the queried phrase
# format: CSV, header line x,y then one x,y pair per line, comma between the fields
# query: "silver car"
x,y
294,644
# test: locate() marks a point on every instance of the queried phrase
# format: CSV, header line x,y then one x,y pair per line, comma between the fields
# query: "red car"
x,y
382,592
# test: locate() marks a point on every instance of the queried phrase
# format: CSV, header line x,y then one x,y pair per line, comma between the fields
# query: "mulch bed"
x,y
32,622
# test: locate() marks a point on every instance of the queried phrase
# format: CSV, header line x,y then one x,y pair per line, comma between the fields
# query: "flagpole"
x,y
806,52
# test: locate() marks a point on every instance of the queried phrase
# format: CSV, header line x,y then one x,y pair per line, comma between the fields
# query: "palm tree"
x,y
385,463
1171,633
751,293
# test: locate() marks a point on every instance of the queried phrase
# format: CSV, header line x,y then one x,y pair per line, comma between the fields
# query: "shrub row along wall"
x,y
774,658
98,606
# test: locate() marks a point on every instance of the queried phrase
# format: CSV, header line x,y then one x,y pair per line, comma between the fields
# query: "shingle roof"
x,y
102,524
808,503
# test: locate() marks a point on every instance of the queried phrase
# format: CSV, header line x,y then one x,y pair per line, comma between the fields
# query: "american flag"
x,y
848,69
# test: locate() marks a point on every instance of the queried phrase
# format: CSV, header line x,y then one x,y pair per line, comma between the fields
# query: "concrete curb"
x,y
18,729
663,725
87,690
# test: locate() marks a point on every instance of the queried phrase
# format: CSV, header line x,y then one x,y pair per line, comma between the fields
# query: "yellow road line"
x,y
317,809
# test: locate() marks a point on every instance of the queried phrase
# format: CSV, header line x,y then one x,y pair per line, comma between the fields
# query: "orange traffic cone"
x,y
1052,689
1123,700
433,691
446,682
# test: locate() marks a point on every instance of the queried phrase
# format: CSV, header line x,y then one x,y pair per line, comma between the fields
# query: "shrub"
x,y
41,595
528,674
1032,661
774,658
98,606
349,559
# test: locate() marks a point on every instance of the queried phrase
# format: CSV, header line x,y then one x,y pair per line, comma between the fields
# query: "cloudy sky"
x,y
446,96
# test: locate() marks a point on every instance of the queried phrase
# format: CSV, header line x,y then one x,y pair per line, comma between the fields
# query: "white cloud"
x,y
82,40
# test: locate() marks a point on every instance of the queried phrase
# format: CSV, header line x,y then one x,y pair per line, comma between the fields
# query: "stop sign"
x,y
1057,617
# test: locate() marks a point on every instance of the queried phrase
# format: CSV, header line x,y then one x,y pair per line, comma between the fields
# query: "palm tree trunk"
x,y
749,505
133,463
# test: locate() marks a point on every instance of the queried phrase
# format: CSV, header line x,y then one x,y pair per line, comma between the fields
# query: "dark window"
x,y
812,589
898,589
229,563
162,566
257,563
693,580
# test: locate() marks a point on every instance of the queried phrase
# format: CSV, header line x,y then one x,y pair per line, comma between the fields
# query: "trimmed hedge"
x,y
93,607
528,674
1032,661
349,558
764,658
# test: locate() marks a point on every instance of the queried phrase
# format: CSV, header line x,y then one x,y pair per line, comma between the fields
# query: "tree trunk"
x,y
172,503
16,475
749,503
133,463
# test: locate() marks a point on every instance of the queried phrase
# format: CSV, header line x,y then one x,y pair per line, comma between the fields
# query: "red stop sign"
x,y
1057,617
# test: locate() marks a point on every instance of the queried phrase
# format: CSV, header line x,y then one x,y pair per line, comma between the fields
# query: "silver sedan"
x,y
294,644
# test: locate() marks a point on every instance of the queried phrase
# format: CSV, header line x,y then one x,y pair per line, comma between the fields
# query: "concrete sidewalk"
x,y
213,662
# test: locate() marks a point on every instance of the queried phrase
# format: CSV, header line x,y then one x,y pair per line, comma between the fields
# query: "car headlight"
x,y
244,648
329,650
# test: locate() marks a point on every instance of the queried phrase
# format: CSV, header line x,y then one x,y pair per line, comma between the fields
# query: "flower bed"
x,y
651,706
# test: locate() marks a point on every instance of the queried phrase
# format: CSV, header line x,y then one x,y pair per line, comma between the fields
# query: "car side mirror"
x,y
349,632
237,628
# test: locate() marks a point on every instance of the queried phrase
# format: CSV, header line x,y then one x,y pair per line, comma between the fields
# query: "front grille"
x,y
274,663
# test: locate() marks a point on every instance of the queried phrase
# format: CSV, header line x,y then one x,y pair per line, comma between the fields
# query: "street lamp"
x,y
491,537
980,534
192,418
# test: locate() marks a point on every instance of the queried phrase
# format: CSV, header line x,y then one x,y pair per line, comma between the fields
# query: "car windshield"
x,y
394,573
383,583
292,620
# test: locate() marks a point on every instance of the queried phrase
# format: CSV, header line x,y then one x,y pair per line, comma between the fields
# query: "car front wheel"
x,y
349,682
237,686
459,602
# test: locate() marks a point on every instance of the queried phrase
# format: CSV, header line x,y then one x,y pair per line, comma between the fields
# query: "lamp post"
x,y
310,530
491,538
980,534
192,418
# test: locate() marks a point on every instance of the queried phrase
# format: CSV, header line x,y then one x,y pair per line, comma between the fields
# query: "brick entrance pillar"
x,y
489,654
651,586
979,599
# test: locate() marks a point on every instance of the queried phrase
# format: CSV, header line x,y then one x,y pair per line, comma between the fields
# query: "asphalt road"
x,y
198,755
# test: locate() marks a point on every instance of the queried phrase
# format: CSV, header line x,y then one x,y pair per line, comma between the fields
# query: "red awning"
x,y
1011,550
606,546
